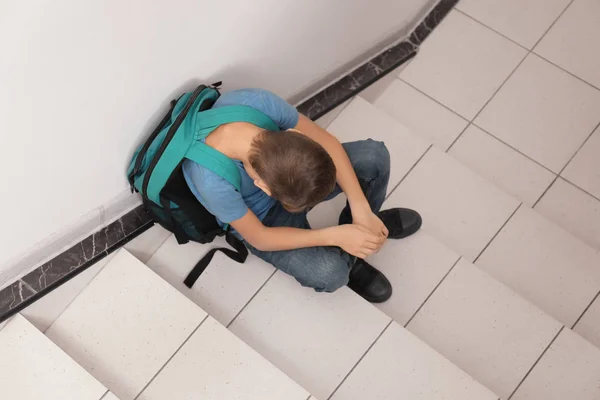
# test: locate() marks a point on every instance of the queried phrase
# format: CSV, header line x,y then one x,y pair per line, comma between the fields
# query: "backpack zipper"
x,y
142,154
169,137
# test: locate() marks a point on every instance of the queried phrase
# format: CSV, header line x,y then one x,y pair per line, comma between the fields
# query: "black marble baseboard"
x,y
52,274
67,265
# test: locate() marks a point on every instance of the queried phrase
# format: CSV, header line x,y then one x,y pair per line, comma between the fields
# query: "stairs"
x,y
32,367
131,332
490,299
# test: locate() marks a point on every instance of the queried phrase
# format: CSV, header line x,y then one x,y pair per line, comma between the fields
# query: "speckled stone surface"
x,y
32,367
92,249
139,321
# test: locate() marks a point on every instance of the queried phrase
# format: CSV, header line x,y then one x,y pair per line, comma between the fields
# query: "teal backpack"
x,y
156,170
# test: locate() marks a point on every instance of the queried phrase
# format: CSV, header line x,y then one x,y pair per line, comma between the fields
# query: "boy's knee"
x,y
332,274
381,157
372,160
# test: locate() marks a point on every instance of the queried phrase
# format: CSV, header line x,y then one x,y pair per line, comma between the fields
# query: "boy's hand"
x,y
356,240
365,217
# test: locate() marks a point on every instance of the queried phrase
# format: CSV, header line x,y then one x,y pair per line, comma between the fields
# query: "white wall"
x,y
81,82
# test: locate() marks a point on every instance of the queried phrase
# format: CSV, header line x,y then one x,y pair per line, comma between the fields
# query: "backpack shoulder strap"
x,y
216,162
209,120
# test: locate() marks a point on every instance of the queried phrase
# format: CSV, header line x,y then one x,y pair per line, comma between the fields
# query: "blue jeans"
x,y
326,269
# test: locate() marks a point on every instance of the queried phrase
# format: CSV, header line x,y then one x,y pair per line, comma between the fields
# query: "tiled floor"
x,y
462,64
543,112
571,43
530,116
521,21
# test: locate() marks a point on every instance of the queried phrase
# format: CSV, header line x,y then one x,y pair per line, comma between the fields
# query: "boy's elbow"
x,y
252,230
257,240
257,244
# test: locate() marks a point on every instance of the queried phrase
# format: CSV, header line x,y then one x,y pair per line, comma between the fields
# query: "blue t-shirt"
x,y
217,195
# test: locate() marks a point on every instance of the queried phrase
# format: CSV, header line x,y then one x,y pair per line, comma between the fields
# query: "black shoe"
x,y
400,222
369,283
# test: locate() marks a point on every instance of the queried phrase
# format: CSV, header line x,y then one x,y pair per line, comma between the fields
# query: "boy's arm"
x,y
346,177
354,239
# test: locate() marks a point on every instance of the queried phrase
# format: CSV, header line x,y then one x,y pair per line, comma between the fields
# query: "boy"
x,y
285,174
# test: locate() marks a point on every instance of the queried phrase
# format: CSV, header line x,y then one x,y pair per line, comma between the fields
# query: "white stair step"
x,y
414,265
462,63
44,311
110,396
545,264
506,168
542,111
483,327
361,120
584,168
570,369
33,368
420,113
224,287
215,365
573,210
459,208
315,338
589,325
400,366
125,325
144,246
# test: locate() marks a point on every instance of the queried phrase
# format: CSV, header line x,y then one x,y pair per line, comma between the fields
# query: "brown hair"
x,y
298,171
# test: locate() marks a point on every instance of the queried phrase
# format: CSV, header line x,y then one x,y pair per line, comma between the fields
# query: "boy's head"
x,y
292,168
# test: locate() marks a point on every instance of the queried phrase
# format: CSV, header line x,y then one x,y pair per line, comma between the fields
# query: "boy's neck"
x,y
234,139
